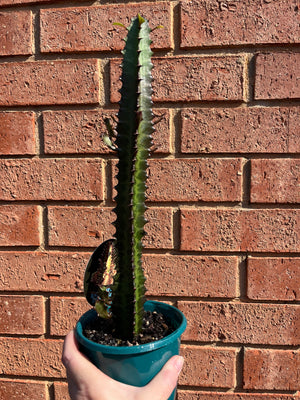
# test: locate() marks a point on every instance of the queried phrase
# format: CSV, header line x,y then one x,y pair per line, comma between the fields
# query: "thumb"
x,y
163,384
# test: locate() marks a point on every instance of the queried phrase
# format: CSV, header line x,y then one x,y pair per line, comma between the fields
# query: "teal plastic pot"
x,y
134,365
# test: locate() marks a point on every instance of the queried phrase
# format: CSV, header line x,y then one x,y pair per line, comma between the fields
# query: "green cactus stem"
x,y
123,295
133,142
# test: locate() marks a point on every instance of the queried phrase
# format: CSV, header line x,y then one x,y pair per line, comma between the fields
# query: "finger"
x,y
85,377
71,354
165,381
75,362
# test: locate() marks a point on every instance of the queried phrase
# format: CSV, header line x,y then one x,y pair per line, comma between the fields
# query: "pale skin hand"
x,y
86,382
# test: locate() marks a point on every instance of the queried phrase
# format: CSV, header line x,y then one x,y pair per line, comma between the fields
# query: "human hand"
x,y
87,382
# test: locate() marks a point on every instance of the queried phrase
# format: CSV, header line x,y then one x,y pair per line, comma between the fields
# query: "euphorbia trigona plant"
x,y
114,279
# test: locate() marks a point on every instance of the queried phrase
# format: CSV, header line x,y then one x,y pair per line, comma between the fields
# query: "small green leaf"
x,y
120,24
141,19
157,27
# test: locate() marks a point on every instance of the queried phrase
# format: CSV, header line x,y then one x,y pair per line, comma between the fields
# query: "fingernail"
x,y
178,363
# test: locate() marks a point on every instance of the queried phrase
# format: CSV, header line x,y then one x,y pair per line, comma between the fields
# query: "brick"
x,y
17,133
61,391
202,179
4,3
52,179
12,389
192,180
260,130
19,225
208,367
79,226
22,315
261,369
92,29
43,271
203,276
89,226
49,82
16,33
186,79
259,230
277,75
80,132
273,278
275,181
65,312
192,395
31,357
210,23
63,272
242,322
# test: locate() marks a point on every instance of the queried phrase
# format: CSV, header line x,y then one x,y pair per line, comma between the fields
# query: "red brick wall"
x,y
223,237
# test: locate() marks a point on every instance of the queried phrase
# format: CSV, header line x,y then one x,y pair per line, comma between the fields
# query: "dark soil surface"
x,y
155,327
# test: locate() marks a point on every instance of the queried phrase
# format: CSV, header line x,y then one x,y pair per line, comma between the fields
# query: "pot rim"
x,y
142,348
